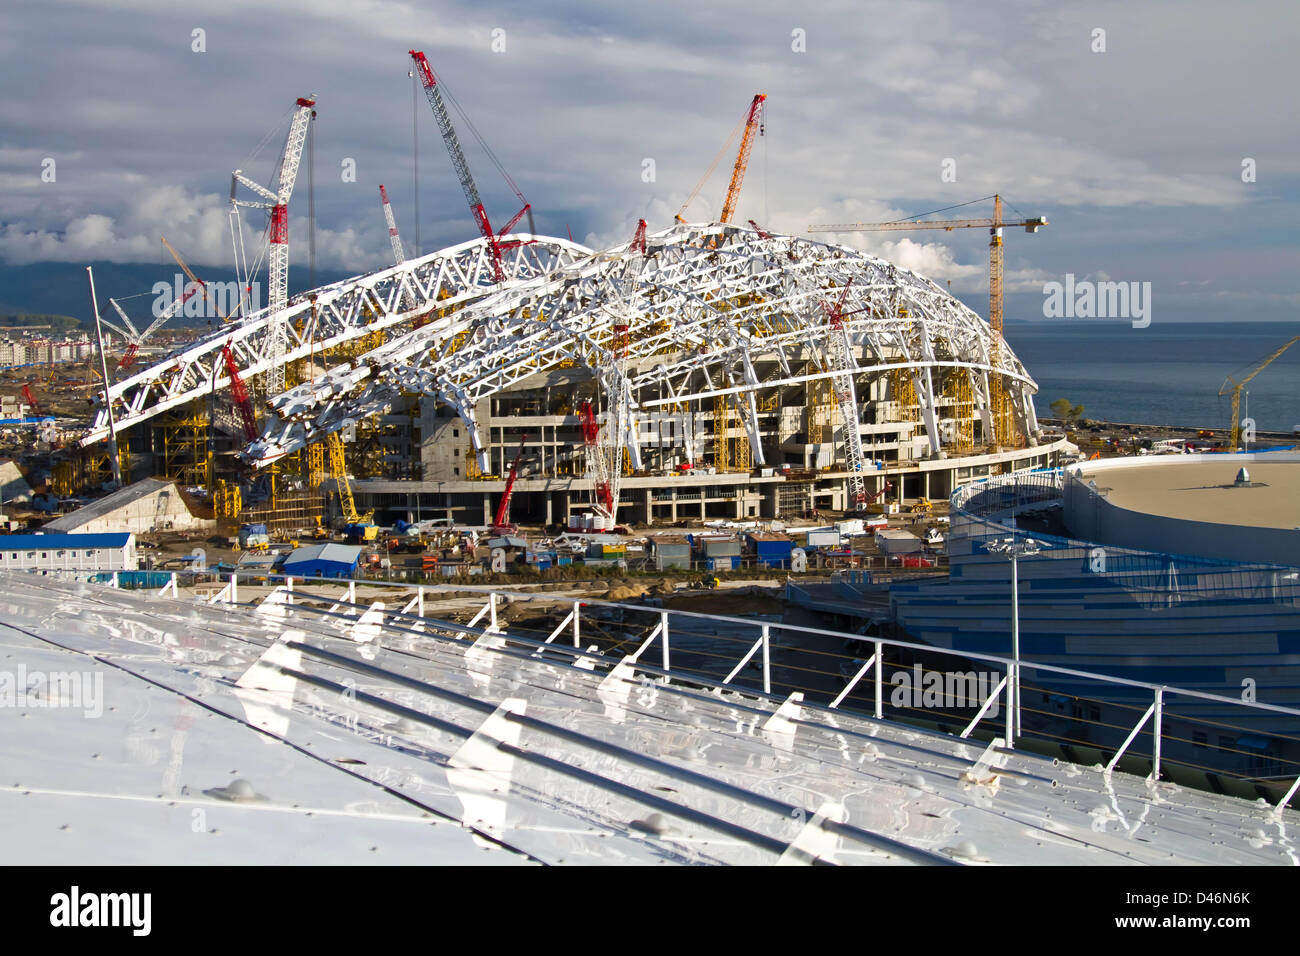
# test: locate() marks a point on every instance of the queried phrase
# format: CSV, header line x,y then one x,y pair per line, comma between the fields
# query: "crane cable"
x,y
726,147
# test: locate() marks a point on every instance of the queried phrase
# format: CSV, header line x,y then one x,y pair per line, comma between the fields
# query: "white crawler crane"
x,y
277,235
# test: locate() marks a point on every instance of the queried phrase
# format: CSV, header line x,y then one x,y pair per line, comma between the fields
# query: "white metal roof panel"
x,y
559,758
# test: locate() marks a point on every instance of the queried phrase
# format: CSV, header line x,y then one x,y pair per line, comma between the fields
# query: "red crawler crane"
x,y
239,392
590,437
502,523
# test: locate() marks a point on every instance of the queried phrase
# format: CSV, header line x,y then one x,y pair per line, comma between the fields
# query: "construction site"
x,y
698,372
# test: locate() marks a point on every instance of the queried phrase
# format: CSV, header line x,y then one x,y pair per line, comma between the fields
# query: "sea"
x,y
1166,374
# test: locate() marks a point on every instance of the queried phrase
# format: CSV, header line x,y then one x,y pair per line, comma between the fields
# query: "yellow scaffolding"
x,y
731,449
962,410
227,502
185,439
820,407
721,429
315,465
903,390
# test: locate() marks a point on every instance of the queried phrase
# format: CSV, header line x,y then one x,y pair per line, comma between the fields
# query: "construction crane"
x,y
133,336
458,161
742,158
502,523
30,399
998,401
239,394
599,472
277,201
398,255
338,471
888,487
753,124
408,301
1235,386
838,350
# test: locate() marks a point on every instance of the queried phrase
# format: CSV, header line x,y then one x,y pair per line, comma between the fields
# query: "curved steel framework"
x,y
707,310
328,317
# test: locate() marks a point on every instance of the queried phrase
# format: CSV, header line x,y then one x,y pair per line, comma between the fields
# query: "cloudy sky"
x,y
1134,153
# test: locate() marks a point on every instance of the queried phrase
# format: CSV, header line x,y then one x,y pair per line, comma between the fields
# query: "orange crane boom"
x,y
742,158
753,122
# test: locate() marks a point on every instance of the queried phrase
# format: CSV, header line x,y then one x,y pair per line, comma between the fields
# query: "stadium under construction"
x,y
705,371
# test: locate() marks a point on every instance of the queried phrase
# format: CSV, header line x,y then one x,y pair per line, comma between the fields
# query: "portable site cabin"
x,y
823,537
83,552
893,542
323,561
771,550
670,551
720,552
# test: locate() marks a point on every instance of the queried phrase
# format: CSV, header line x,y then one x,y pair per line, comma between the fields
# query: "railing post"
x,y
175,593
419,606
116,582
288,588
1011,705
492,604
234,587
767,659
880,680
577,631
663,635
1155,730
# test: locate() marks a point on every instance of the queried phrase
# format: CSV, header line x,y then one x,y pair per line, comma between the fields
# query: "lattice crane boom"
x,y
430,83
239,394
742,158
1235,386
603,483
399,256
502,523
838,350
752,122
339,472
277,201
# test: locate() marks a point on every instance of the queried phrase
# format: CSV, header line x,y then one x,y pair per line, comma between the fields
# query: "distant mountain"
x,y
60,288
56,323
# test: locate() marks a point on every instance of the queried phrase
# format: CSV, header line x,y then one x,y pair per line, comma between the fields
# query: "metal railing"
x,y
832,669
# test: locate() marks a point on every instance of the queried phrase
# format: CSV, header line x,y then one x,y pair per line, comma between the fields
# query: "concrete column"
x,y
649,507
487,508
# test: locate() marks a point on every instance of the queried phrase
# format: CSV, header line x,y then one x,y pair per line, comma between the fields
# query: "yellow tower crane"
x,y
1002,426
1234,386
